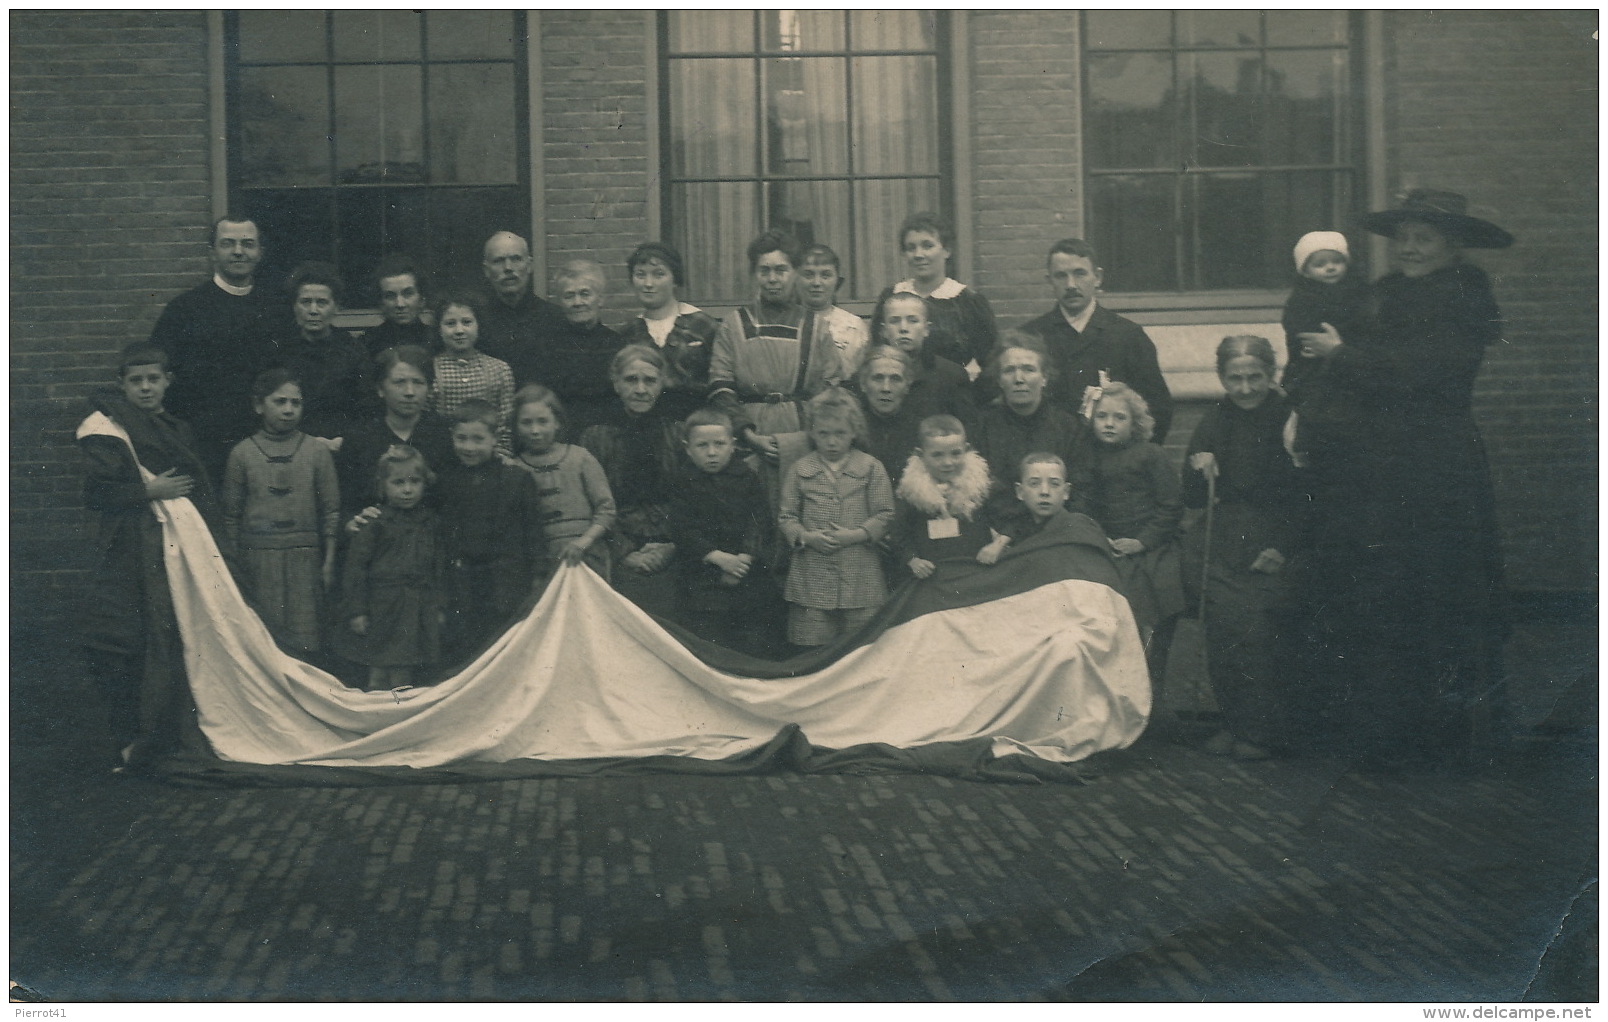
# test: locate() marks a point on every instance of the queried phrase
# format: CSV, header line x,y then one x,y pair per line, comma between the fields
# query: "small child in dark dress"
x,y
943,496
720,522
1324,292
395,578
1131,488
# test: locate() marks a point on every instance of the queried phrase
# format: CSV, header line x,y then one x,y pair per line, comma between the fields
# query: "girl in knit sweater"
x,y
281,504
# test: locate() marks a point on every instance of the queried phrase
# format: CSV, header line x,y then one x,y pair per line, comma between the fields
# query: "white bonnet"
x,y
1318,241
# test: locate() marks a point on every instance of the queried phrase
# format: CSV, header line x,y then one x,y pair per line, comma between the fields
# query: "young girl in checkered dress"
x,y
836,504
463,372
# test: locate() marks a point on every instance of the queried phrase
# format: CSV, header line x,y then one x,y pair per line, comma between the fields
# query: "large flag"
x,y
1002,670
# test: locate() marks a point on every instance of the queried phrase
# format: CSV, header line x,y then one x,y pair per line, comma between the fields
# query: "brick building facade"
x,y
120,149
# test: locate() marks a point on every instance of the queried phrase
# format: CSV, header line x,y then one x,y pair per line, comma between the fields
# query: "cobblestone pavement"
x,y
1173,876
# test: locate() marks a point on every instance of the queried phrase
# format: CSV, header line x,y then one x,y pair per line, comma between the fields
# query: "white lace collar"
x,y
950,288
682,309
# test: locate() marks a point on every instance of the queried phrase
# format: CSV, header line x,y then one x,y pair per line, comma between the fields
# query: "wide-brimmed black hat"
x,y
1443,211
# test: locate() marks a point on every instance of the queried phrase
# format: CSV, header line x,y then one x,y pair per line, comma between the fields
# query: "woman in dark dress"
x,y
404,376
1240,443
1407,588
1020,422
330,362
638,443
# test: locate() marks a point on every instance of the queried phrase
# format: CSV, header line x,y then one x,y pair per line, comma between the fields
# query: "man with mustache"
x,y
517,324
219,335
1085,339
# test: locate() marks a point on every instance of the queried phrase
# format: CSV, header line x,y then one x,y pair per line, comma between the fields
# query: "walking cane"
x,y
1205,577
1206,557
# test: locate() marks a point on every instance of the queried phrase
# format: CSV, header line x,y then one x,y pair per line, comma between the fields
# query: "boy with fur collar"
x,y
943,495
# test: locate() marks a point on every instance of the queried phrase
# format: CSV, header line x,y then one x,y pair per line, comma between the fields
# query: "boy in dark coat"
x,y
496,548
137,454
720,522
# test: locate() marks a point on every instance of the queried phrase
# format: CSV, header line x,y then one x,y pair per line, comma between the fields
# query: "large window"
x,y
1213,140
828,124
357,133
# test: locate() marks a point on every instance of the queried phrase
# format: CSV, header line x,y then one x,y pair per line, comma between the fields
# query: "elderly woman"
x,y
1408,583
1238,452
638,443
577,354
684,333
769,358
888,382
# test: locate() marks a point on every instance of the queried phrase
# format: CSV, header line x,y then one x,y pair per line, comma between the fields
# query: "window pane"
x,y
879,208
1246,223
712,225
712,129
1225,90
1108,30
283,119
1306,28
1229,243
295,225
893,30
1132,224
472,129
805,102
1128,116
814,212
895,115
379,125
372,221
376,35
1305,91
273,36
471,35
1219,28
802,30
458,223
711,32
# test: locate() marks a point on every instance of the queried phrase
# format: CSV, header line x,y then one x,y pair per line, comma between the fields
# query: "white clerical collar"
x,y
240,292
1081,322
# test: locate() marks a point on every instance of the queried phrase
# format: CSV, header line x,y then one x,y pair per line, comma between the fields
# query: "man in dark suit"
x,y
218,336
1086,339
516,324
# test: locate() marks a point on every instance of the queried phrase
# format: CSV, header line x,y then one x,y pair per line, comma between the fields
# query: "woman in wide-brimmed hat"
x,y
1406,586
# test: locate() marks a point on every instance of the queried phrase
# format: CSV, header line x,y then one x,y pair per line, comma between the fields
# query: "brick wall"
x,y
109,207
595,143
1026,151
1502,106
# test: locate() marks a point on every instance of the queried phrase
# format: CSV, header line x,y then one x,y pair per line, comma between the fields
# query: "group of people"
x,y
392,498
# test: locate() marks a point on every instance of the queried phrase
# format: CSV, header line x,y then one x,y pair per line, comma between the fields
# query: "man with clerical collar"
x,y
1086,339
219,336
517,323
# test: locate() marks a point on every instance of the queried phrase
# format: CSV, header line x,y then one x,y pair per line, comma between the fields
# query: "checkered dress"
x,y
478,376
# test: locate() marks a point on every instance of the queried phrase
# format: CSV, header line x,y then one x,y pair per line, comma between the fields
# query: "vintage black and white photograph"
x,y
621,505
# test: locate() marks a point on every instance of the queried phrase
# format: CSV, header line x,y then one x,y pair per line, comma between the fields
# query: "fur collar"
x,y
959,499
